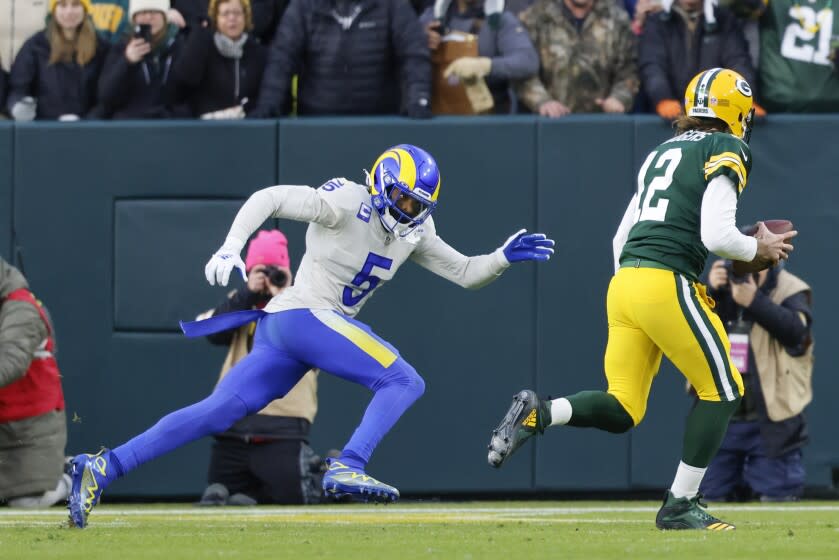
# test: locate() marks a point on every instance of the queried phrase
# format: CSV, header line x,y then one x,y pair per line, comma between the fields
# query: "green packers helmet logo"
x,y
743,87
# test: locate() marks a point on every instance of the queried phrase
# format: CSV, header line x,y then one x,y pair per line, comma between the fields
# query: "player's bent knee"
x,y
403,374
623,424
415,382
625,416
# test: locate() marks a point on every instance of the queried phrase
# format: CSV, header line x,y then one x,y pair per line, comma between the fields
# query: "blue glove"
x,y
523,246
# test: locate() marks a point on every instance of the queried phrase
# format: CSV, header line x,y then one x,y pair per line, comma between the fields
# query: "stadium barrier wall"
x,y
114,222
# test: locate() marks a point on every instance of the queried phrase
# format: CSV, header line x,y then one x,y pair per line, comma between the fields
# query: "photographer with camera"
x,y
264,458
768,318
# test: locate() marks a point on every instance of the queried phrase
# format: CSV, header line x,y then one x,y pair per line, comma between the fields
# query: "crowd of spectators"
x,y
226,59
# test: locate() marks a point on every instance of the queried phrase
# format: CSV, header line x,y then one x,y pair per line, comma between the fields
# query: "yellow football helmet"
x,y
720,93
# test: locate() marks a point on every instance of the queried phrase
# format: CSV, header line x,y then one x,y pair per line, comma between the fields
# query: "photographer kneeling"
x,y
768,318
264,458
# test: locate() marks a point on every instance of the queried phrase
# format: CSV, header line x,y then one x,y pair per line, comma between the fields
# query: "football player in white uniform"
x,y
357,238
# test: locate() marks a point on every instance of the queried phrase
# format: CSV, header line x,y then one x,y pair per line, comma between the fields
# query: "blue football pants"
x,y
286,345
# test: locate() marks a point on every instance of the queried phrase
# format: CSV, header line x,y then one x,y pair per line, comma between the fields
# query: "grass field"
x,y
475,530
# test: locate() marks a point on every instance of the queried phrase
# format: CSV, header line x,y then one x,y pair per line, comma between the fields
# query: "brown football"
x,y
775,226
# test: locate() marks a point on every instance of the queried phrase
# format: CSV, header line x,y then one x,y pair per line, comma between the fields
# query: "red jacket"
x,y
39,390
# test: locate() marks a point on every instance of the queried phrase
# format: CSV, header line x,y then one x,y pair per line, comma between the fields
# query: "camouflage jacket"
x,y
599,61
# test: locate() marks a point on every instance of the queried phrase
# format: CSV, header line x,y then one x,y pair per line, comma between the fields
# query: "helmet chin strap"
x,y
391,226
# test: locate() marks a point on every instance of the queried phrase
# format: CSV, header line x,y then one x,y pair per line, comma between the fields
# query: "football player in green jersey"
x,y
685,206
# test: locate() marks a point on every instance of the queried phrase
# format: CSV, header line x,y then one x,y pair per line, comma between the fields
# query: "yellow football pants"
x,y
653,311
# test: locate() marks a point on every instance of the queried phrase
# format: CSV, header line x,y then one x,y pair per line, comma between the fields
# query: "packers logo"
x,y
743,87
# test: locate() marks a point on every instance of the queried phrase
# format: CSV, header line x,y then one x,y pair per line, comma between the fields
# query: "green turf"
x,y
508,530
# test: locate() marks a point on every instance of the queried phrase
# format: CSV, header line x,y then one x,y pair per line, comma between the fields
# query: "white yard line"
x,y
420,510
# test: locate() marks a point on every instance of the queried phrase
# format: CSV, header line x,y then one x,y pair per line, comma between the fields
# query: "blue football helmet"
x,y
404,186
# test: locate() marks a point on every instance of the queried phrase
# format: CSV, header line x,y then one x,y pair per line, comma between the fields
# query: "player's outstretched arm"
x,y
294,202
478,271
523,246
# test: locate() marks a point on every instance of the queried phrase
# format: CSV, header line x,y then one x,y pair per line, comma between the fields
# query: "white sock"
x,y
686,483
560,411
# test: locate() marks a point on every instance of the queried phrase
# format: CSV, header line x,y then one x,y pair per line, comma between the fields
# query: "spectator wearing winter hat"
x,y
135,82
221,65
54,75
264,458
110,18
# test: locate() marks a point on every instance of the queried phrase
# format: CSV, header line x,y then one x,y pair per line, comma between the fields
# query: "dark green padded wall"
x,y
584,169
117,220
116,231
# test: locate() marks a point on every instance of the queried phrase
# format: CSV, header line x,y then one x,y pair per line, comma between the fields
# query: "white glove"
x,y
223,261
25,109
235,112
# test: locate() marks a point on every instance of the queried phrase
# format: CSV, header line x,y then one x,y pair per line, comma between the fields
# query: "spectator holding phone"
x,y
221,64
136,82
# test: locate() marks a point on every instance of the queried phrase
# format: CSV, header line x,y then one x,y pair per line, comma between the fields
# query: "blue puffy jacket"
x,y
372,60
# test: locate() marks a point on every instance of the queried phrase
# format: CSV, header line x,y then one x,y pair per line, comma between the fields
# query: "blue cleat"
x,y
89,479
341,481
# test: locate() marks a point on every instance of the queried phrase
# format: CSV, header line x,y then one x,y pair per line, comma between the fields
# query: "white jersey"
x,y
349,254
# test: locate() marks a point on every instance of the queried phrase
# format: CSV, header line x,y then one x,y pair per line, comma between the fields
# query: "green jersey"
x,y
671,184
796,74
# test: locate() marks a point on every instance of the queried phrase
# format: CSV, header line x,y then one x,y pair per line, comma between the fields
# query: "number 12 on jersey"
x,y
654,191
350,298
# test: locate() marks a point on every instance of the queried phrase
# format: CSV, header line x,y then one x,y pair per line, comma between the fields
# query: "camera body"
x,y
738,278
143,31
276,276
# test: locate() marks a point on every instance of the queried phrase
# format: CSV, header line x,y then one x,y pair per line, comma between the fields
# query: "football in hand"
x,y
775,226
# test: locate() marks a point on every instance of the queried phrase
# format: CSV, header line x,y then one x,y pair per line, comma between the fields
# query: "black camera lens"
x,y
276,276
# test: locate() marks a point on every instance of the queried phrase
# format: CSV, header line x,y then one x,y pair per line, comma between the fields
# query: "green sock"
x,y
597,409
706,427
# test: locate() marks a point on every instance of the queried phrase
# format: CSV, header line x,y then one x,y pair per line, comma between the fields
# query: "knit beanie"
x,y
84,3
135,6
268,247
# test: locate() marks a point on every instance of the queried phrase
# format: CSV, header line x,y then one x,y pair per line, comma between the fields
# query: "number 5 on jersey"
x,y
350,298
647,194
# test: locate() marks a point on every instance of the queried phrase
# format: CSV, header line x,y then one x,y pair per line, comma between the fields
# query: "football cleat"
x,y
343,482
687,513
528,415
89,479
